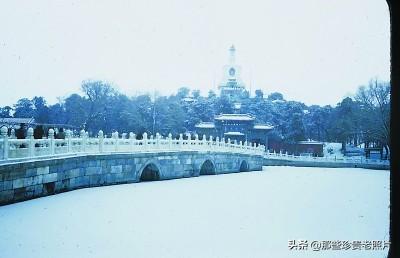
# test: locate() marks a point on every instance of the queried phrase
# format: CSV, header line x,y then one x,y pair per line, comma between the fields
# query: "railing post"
x,y
151,142
101,140
68,135
145,141
180,141
132,139
31,142
83,140
12,135
196,139
189,140
170,141
51,139
116,143
4,136
157,141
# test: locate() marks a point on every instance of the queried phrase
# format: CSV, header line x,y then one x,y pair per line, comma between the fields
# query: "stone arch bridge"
x,y
32,168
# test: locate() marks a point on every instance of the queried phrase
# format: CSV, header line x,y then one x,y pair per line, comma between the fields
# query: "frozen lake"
x,y
251,214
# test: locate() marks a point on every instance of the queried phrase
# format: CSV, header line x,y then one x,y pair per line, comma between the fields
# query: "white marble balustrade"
x,y
11,148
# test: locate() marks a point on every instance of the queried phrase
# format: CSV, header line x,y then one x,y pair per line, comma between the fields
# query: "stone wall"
x,y
32,179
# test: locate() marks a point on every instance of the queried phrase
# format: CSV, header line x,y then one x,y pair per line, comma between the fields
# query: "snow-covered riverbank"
x,y
251,214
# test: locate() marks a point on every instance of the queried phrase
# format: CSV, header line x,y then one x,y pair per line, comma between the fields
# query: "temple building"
x,y
236,126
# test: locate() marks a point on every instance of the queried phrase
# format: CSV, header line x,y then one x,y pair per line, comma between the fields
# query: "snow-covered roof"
x,y
310,142
13,120
233,133
188,99
205,125
241,117
263,127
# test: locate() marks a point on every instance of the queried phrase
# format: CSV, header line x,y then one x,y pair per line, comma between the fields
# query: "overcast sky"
x,y
313,51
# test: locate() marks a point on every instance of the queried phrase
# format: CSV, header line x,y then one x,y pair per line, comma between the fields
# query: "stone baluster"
x,y
31,142
157,141
145,141
51,138
170,141
123,136
204,140
180,141
82,135
101,140
196,139
68,135
12,136
217,143
151,142
189,140
132,140
6,146
116,142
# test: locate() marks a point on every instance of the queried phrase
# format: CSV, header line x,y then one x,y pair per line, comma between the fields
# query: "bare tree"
x,y
375,99
98,94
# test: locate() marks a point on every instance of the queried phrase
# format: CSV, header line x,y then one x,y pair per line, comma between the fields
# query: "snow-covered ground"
x,y
242,215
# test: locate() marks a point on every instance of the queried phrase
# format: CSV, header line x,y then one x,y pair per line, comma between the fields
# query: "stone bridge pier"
x,y
21,181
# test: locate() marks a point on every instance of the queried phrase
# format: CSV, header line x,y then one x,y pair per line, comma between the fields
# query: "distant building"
x,y
237,126
240,127
40,129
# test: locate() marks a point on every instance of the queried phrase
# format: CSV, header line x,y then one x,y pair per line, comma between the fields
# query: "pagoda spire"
x,y
232,51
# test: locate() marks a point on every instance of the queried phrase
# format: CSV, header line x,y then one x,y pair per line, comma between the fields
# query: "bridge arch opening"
x,y
244,166
150,173
207,168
